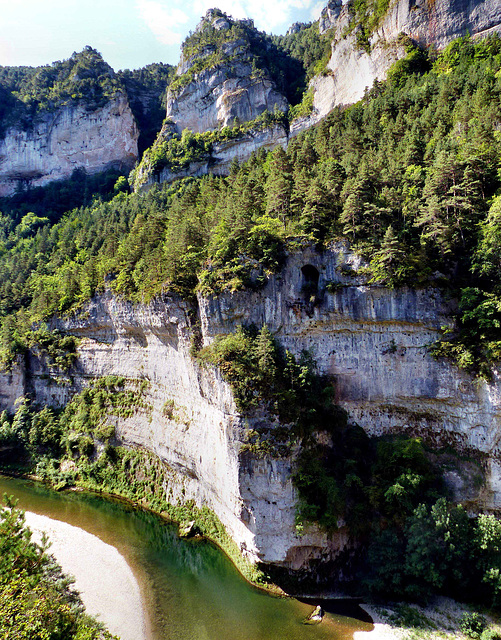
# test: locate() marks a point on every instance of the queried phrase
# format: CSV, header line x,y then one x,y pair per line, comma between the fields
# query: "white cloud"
x,y
316,10
164,21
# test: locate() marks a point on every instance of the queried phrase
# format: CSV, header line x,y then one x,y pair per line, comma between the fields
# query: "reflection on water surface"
x,y
191,590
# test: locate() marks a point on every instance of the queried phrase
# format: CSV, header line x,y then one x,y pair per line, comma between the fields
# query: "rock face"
x,y
220,82
374,341
428,22
240,149
71,137
215,99
227,91
213,92
222,155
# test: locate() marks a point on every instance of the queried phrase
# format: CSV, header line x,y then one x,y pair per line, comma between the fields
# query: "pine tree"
x,y
314,218
278,188
388,264
264,355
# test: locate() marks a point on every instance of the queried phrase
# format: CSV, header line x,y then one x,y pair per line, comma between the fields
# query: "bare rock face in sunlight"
x,y
353,67
218,83
374,342
67,138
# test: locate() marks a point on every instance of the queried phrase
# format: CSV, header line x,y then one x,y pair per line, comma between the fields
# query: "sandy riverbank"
x,y
105,581
382,630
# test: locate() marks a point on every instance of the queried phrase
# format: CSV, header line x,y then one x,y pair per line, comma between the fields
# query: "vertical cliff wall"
x,y
199,438
372,340
69,137
352,68
219,80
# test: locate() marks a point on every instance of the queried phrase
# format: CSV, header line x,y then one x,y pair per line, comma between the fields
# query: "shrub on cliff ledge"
x,y
298,411
264,376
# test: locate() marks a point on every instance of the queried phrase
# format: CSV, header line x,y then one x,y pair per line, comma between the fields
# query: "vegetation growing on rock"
x,y
84,78
408,175
221,41
77,447
176,152
386,490
311,50
146,90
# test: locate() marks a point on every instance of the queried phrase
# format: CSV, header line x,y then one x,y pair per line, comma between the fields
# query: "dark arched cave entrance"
x,y
311,276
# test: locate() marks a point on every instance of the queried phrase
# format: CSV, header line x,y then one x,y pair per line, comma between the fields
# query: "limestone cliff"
x,y
59,141
57,118
217,161
352,68
221,86
220,81
372,340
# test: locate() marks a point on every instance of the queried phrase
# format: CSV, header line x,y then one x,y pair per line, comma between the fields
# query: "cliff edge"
x,y
374,342
364,47
69,115
221,79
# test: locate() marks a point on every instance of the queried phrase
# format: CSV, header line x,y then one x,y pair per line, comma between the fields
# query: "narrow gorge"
x,y
259,214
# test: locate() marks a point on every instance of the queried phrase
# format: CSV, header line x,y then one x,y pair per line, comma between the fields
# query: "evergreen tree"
x,y
315,216
278,187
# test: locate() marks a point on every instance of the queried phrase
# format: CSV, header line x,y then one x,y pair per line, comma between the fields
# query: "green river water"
x,y
190,589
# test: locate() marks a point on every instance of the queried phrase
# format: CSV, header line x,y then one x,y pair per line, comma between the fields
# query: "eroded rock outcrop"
x,y
219,79
221,86
218,161
372,340
67,138
352,68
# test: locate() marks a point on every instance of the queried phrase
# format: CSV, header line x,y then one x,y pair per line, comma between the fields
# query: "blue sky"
x,y
129,33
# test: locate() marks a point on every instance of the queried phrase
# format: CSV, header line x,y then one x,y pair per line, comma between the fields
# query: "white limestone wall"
x,y
374,341
351,69
66,139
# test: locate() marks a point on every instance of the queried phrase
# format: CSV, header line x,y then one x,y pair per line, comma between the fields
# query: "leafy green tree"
x,y
488,542
45,433
488,258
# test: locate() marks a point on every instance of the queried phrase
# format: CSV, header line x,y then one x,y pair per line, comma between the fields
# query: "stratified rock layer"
x,y
68,138
372,340
219,161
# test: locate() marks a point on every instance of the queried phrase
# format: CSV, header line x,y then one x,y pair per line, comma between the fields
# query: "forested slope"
x,y
409,176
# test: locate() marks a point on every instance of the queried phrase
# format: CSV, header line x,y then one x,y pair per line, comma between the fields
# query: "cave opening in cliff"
x,y
311,276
